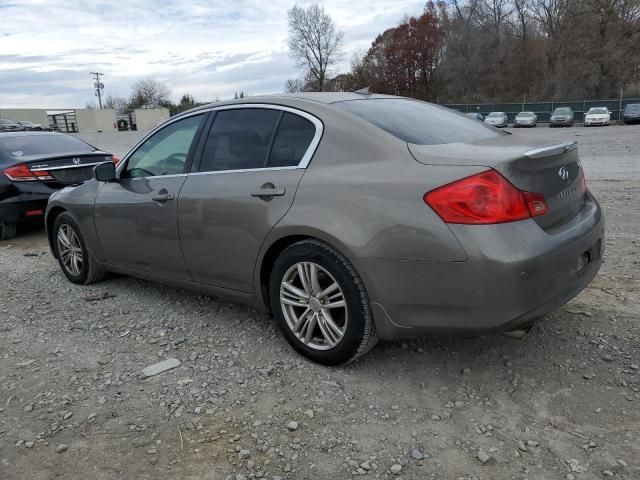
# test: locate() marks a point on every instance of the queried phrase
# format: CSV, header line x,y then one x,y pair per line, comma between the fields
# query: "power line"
x,y
98,85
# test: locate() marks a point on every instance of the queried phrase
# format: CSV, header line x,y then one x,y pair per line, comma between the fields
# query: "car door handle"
x,y
269,192
165,197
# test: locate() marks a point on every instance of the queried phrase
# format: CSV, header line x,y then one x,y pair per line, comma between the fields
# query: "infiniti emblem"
x,y
76,161
563,173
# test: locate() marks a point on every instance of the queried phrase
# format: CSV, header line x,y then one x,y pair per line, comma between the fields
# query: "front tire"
x,y
76,261
320,304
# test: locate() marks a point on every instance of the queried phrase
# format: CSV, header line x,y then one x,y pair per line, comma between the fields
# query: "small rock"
x,y
367,466
396,469
466,370
244,454
417,454
622,462
28,408
532,443
521,446
152,451
570,476
29,444
292,425
484,457
309,413
607,473
61,448
160,367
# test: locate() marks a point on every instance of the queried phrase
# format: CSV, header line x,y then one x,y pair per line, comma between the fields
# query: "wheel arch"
x,y
275,247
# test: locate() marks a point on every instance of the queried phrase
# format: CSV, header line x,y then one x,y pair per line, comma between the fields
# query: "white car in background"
x,y
497,119
597,116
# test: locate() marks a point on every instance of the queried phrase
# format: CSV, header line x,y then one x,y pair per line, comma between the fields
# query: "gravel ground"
x,y
562,403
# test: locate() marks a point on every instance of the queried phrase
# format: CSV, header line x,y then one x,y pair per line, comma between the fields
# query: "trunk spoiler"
x,y
551,150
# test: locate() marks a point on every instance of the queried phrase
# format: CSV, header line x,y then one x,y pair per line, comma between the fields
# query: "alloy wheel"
x,y
69,249
313,305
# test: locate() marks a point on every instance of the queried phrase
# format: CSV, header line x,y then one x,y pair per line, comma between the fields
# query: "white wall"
x,y
93,120
31,114
149,118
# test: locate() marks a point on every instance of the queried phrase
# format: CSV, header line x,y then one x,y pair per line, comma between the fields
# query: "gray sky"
x,y
206,48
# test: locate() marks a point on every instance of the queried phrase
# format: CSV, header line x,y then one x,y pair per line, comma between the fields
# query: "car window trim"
x,y
304,161
190,154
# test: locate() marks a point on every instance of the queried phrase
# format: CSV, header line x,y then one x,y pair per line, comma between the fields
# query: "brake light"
x,y
22,173
484,198
115,160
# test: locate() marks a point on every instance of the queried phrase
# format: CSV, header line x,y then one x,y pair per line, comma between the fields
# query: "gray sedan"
x,y
351,217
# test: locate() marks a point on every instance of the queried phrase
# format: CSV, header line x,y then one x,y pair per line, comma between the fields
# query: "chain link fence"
x,y
544,109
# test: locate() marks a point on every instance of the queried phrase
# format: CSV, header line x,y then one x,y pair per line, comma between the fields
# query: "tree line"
x,y
481,50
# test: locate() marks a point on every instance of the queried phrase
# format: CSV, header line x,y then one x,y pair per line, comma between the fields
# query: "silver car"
x,y
350,217
525,119
497,119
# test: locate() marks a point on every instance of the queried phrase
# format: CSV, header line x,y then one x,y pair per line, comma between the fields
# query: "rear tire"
x,y
75,259
7,230
329,335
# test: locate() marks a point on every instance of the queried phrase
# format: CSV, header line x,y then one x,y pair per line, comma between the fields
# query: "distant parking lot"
x,y
562,403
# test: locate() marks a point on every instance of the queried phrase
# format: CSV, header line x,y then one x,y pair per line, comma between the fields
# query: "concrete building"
x,y
26,114
93,120
150,118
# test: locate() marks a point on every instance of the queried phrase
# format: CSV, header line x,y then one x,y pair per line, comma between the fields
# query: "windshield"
x,y
598,111
562,111
496,114
525,114
634,107
25,145
418,122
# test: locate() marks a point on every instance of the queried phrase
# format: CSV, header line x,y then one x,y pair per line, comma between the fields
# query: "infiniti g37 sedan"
x,y
350,217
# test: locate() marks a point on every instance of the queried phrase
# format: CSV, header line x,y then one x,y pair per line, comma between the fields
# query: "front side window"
x,y
165,152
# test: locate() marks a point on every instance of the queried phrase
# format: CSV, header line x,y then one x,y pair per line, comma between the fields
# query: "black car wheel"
x,y
7,230
320,304
76,261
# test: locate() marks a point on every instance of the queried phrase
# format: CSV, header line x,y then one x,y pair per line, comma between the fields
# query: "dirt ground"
x,y
562,403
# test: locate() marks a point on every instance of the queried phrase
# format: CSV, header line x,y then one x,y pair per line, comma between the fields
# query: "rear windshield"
x,y
634,107
525,114
562,111
418,122
598,111
26,145
496,114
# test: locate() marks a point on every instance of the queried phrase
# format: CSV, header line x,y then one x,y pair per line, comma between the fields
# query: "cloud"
x,y
208,49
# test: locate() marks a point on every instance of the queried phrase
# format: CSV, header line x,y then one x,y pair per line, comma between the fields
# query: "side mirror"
x,y
105,172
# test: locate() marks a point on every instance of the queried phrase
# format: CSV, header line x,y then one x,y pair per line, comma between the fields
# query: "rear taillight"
x,y
484,198
115,160
22,173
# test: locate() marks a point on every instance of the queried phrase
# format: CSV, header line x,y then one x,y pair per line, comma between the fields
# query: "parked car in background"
x,y
33,165
30,126
631,113
7,125
597,116
525,119
351,217
497,119
561,117
475,115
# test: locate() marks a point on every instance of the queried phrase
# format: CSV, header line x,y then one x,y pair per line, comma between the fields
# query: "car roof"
x,y
325,98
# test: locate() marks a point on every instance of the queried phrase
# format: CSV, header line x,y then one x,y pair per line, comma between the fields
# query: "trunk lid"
x,y
68,168
553,170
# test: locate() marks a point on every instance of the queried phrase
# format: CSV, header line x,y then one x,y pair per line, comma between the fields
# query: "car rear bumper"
x,y
514,273
17,204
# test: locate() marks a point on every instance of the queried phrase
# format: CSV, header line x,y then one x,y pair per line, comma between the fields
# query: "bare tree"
x,y
116,103
149,93
314,42
293,85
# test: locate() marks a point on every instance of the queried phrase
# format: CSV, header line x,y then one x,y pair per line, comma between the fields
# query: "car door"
x,y
251,162
136,216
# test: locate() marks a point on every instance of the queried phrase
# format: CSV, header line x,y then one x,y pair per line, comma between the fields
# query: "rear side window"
x,y
292,140
418,122
26,145
239,139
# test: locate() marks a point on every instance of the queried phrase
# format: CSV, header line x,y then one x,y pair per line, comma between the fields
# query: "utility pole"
x,y
98,85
